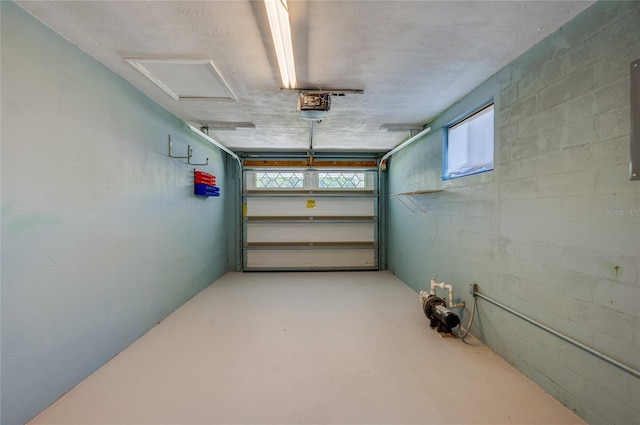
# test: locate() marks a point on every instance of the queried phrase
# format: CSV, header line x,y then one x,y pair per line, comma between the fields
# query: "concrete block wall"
x,y
102,236
554,230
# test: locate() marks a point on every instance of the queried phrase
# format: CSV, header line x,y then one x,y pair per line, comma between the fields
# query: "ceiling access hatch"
x,y
185,79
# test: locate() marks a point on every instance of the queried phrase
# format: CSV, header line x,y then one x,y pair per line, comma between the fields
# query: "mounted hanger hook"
x,y
173,156
190,152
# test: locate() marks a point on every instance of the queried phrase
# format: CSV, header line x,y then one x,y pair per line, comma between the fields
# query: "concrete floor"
x,y
293,348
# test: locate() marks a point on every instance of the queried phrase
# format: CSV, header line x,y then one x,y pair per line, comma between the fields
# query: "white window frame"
x,y
474,151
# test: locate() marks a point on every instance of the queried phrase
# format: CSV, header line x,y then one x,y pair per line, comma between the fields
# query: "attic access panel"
x,y
185,79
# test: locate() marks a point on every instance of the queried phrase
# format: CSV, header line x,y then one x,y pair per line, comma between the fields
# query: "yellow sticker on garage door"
x,y
311,203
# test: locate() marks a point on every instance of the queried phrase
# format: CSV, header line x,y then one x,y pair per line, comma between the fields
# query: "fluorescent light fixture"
x,y
228,125
397,128
278,15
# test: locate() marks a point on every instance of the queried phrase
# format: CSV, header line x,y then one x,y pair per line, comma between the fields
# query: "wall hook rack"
x,y
181,157
190,154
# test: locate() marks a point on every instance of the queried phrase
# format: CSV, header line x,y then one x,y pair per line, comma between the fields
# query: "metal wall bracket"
x,y
188,157
175,156
190,154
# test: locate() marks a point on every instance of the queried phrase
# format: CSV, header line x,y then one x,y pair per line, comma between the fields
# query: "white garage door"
x,y
310,219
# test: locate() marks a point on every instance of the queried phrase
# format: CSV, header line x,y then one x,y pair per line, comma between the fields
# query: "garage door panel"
x,y
269,206
310,220
311,259
310,232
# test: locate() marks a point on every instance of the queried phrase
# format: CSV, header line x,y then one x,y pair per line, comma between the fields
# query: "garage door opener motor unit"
x,y
314,106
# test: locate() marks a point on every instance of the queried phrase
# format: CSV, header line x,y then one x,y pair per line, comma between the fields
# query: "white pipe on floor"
x,y
424,295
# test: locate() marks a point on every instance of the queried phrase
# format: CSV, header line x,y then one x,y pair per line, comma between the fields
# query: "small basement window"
x,y
468,144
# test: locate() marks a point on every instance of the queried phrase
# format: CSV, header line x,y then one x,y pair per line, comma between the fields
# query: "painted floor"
x,y
300,348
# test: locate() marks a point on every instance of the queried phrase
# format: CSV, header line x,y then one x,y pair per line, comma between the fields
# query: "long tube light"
x,y
278,15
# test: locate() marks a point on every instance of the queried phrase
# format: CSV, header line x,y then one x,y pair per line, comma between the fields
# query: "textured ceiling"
x,y
413,59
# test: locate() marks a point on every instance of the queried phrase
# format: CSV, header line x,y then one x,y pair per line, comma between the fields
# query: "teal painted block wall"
x,y
102,236
554,230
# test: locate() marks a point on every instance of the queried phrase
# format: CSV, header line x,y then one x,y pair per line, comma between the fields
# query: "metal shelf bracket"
x,y
175,156
190,154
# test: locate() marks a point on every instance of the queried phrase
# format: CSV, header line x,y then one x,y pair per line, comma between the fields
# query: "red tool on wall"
x,y
205,184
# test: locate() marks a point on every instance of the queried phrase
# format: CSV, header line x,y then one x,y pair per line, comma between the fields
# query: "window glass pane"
x,y
341,180
470,145
279,180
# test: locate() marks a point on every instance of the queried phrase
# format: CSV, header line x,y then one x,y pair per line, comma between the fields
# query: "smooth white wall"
x,y
102,236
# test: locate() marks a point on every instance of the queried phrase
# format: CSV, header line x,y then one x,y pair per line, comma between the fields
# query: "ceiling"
x,y
413,59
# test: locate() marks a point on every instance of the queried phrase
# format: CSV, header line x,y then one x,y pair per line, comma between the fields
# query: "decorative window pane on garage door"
x,y
310,219
279,180
341,180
